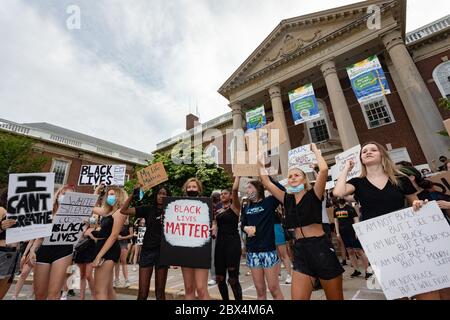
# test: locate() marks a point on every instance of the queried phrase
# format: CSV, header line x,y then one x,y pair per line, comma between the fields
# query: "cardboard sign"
x,y
341,159
186,239
441,182
302,157
110,175
408,251
73,211
30,203
140,236
269,137
152,176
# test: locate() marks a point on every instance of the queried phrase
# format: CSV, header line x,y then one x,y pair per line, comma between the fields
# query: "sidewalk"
x,y
353,288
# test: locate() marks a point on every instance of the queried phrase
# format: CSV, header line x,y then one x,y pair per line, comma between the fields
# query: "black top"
x,y
262,216
227,224
3,232
106,226
154,224
308,211
375,202
125,231
345,216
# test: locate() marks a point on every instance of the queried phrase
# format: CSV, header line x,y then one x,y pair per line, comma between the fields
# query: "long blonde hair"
x,y
388,165
305,176
121,196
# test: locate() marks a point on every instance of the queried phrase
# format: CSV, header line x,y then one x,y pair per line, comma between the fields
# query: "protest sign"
x,y
110,175
186,239
408,251
424,169
441,182
152,175
341,160
30,203
302,157
265,139
140,236
255,118
304,104
74,209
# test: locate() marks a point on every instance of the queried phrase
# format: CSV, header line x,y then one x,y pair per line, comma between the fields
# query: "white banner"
x,y
74,209
302,157
110,175
30,203
408,251
341,159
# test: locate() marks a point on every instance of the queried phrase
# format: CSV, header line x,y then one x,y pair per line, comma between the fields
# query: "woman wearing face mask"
x,y
195,279
227,254
107,244
381,188
50,262
314,255
85,258
257,220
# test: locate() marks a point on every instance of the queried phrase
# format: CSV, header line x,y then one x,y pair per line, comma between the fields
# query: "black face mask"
x,y
191,193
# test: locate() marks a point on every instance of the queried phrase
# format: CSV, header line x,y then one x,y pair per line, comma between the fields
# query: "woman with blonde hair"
x,y
51,262
195,279
314,256
107,244
381,188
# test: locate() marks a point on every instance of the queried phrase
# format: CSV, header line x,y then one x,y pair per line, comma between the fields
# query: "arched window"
x,y
318,129
441,76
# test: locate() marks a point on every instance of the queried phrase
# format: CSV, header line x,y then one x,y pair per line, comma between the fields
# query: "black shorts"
x,y
227,254
150,258
50,254
316,257
87,255
112,254
348,236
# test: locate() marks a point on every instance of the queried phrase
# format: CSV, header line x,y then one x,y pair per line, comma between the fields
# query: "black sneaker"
x,y
355,273
344,262
368,275
71,293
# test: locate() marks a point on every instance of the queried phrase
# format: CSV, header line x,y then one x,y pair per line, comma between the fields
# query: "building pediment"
x,y
293,37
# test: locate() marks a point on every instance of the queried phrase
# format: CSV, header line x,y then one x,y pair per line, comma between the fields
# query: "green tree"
x,y
17,156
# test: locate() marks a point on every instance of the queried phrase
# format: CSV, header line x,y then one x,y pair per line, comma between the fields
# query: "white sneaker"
x,y
288,279
63,296
116,284
211,282
127,284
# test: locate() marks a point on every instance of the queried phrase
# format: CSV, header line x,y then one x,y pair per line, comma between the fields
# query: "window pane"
x,y
377,112
60,168
319,131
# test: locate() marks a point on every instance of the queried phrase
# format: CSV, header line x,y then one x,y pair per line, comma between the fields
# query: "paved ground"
x,y
353,288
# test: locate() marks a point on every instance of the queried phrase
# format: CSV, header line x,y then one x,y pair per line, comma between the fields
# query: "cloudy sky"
x,y
135,68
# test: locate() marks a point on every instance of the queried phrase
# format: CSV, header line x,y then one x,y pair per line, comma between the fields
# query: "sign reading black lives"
x,y
30,203
109,175
186,237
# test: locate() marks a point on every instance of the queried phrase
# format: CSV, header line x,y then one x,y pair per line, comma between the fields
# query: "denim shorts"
x,y
262,260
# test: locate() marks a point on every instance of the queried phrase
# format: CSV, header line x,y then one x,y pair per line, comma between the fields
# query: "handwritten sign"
x,y
186,237
408,251
74,209
267,138
152,175
302,157
441,182
341,159
30,203
110,175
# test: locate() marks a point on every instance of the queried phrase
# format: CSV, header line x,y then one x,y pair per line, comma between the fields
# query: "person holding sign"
x,y
51,262
381,188
107,244
314,256
150,252
257,220
227,254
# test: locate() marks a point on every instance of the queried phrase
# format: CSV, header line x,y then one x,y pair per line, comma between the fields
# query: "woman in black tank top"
x,y
314,255
227,254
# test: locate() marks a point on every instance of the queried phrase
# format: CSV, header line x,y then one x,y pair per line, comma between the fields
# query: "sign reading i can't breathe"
x,y
30,203
109,175
186,237
408,251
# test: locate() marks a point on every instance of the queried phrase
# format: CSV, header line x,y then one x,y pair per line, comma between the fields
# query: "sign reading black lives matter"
x,y
74,209
30,203
408,251
186,240
109,175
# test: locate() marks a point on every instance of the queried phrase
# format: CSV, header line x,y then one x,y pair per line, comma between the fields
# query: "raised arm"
x,y
236,204
342,188
125,208
321,180
269,185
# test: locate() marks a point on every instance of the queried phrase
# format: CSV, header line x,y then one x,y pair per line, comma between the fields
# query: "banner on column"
x,y
255,118
408,251
186,237
341,160
30,203
140,236
302,157
110,175
304,104
74,209
368,79
152,175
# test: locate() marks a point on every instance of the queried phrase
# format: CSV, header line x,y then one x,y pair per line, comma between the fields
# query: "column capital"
x,y
235,106
328,67
392,39
275,91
